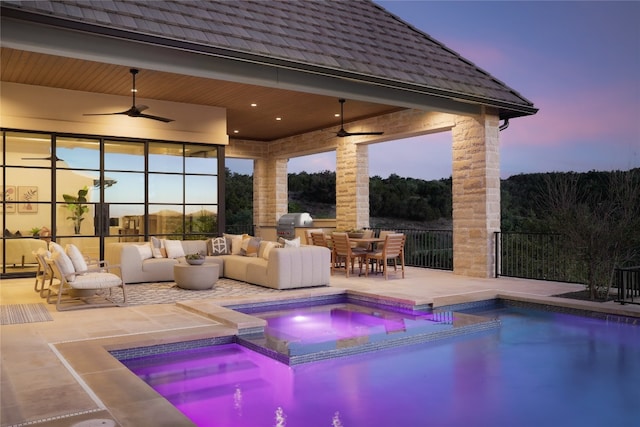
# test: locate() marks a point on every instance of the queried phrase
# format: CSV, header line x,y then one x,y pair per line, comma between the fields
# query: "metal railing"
x,y
627,280
427,248
240,229
543,256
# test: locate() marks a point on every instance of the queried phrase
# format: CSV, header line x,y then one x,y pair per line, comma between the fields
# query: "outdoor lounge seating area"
x,y
72,280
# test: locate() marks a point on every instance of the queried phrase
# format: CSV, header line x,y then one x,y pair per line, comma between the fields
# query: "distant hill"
x,y
413,203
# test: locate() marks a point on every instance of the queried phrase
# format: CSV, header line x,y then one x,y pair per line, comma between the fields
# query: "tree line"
x,y
524,198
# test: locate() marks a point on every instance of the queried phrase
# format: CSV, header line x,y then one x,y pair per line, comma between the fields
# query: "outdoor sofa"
x,y
277,267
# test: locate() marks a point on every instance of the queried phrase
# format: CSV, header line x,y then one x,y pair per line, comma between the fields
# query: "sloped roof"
x,y
356,39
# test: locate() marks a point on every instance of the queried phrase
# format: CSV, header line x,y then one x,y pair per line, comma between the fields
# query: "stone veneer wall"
x,y
476,194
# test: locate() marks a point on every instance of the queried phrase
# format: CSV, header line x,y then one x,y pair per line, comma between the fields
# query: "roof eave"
x,y
506,109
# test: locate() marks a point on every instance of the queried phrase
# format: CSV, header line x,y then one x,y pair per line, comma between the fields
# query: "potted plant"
x,y
35,231
77,208
195,259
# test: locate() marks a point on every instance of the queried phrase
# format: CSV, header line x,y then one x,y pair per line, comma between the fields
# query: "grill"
x,y
288,223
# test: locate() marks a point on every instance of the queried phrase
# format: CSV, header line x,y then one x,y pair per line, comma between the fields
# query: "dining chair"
x,y
308,232
342,250
392,250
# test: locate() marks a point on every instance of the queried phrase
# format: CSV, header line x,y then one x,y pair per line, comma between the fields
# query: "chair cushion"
x,y
64,263
77,259
96,280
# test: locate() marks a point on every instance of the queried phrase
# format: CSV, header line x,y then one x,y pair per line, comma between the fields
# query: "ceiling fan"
x,y
135,110
56,158
342,133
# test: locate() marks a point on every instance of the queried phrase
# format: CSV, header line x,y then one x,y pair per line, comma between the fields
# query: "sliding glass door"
x,y
91,191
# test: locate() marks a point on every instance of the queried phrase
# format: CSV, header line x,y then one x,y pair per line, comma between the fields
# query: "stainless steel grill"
x,y
288,223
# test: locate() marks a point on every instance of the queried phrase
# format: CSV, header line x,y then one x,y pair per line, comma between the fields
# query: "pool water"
x,y
538,369
307,334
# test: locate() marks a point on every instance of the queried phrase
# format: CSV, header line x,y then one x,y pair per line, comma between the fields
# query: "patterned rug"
x,y
169,292
14,314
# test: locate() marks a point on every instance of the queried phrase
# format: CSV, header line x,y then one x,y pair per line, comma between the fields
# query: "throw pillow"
x,y
234,241
157,248
64,264
77,259
250,247
293,243
265,249
217,246
144,251
174,248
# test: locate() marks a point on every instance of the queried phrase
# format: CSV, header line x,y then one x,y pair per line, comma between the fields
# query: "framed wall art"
x,y
9,196
27,196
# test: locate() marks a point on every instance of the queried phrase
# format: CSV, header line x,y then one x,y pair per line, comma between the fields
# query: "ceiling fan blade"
x,y
343,133
158,118
57,159
135,110
125,113
361,133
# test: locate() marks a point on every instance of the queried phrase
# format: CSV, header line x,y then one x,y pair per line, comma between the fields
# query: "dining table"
x,y
371,244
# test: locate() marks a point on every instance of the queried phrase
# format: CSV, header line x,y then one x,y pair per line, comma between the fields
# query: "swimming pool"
x,y
538,368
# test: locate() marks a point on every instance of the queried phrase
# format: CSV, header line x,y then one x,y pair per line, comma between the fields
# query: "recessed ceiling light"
x,y
236,131
336,115
278,118
254,104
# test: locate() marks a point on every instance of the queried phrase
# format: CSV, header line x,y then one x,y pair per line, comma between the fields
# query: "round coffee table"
x,y
196,277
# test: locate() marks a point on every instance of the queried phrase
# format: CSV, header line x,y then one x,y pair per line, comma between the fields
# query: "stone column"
x,y
476,193
270,191
352,184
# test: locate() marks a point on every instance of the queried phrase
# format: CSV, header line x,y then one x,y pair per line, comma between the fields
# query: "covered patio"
x,y
267,95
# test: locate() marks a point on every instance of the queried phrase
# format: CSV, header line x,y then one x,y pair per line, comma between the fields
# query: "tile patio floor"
x,y
59,374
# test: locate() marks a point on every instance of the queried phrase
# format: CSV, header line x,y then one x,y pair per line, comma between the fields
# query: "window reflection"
x,y
28,149
124,156
78,153
201,159
165,188
165,157
201,189
127,187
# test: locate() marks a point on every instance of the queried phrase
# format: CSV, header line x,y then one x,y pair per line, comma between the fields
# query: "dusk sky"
x,y
577,61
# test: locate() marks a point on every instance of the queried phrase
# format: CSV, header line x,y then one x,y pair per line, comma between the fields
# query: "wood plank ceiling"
x,y
300,112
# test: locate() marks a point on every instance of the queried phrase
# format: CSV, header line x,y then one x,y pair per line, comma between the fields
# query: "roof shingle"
x,y
355,36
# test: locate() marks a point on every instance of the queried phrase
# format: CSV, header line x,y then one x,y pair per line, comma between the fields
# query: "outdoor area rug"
x,y
169,292
13,314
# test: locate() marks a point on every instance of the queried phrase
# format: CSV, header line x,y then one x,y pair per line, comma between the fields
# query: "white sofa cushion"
x,y
145,251
174,248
